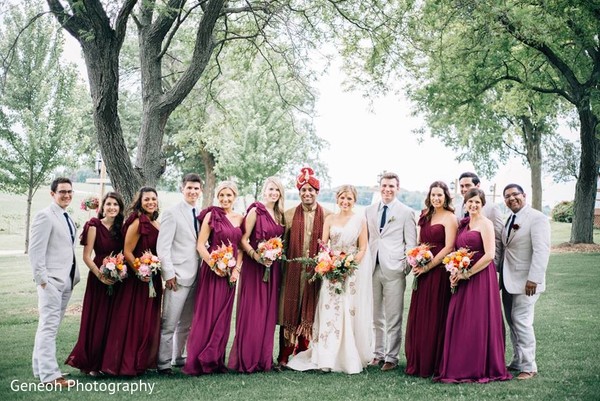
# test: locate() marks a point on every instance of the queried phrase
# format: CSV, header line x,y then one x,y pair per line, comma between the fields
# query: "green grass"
x,y
567,329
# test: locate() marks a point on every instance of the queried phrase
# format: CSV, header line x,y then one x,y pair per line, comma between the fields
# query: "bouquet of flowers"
x,y
458,262
147,265
418,256
336,266
222,261
271,249
90,203
114,268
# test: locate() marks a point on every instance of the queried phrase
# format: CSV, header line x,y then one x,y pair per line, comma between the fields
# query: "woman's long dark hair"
x,y
115,230
447,199
136,204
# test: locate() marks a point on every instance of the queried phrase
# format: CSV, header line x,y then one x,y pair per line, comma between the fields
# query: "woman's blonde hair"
x,y
226,184
278,208
347,188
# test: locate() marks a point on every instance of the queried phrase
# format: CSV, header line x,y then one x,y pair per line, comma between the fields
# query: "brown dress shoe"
x,y
61,382
388,366
526,375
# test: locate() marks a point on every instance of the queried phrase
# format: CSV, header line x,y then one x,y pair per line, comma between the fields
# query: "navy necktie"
x,y
69,225
72,272
511,223
383,217
195,220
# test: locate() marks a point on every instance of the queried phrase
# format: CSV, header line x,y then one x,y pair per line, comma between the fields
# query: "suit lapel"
x,y
187,216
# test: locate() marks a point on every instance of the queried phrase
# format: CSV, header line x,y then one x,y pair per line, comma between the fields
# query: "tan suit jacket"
x,y
51,249
526,251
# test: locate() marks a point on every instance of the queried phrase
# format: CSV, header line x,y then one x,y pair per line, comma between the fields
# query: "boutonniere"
x,y
515,227
393,218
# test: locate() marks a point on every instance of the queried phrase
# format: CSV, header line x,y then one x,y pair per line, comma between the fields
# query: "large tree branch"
x,y
181,17
541,47
70,22
165,20
121,24
203,48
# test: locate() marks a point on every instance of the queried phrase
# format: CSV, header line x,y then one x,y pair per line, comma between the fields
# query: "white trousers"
x,y
52,303
176,321
519,313
388,304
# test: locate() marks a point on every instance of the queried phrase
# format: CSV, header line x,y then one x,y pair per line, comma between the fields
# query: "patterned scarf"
x,y
299,322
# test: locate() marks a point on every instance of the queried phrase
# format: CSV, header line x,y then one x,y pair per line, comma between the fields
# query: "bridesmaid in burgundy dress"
x,y
212,314
257,305
134,331
101,236
429,302
474,341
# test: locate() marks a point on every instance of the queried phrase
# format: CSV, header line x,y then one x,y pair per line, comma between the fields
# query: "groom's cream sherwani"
x,y
388,250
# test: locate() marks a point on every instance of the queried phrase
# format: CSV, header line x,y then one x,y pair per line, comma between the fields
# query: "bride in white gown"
x,y
342,331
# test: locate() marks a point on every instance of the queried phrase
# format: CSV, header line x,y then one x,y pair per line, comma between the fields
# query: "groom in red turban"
x,y
298,303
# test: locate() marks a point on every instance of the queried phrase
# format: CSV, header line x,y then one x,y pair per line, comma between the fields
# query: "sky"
x,y
363,141
366,139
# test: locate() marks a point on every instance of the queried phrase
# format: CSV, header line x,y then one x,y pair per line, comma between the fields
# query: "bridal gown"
x,y
342,331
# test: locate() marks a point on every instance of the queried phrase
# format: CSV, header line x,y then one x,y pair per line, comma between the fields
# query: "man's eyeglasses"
x,y
65,192
513,195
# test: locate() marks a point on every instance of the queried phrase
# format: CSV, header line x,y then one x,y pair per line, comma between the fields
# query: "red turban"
x,y
307,176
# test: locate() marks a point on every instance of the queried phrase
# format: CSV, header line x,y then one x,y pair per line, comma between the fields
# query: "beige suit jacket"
x,y
176,244
526,251
398,235
51,250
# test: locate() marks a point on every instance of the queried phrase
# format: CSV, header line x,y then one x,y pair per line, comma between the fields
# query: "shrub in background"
x,y
563,212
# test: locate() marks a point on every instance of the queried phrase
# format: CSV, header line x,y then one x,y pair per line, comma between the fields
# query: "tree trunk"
x,y
28,218
532,137
210,181
102,62
582,230
149,160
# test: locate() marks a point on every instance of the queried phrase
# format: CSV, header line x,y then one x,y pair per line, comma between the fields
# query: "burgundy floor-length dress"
x,y
257,305
426,323
134,331
97,303
208,337
474,340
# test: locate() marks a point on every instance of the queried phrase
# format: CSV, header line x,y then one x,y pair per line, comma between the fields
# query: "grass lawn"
x,y
567,328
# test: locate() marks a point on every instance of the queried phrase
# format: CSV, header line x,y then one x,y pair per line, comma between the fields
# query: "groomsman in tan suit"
x,y
52,257
526,250
392,230
176,248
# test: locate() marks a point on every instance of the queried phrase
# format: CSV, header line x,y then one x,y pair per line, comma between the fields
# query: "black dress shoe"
x,y
166,372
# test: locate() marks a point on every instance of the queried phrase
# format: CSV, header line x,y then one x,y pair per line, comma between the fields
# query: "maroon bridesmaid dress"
x,y
474,339
257,307
211,323
97,304
426,322
134,330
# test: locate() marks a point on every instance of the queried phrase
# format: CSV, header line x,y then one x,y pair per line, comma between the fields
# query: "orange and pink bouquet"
x,y
458,262
335,266
145,266
222,260
418,256
114,268
271,249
